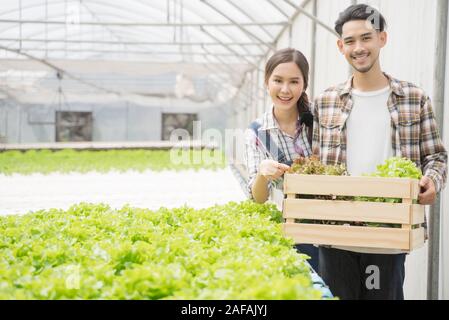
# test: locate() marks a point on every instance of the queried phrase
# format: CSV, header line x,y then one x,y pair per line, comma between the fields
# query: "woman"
x,y
282,134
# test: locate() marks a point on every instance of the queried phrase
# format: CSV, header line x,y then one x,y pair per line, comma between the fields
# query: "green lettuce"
x,y
232,251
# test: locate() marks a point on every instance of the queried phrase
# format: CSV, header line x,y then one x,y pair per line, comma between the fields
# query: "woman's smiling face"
x,y
285,85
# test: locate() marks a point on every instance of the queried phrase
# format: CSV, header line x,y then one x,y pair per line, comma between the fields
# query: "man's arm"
x,y
433,155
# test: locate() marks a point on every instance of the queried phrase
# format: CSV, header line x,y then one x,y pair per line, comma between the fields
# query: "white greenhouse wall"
x,y
409,53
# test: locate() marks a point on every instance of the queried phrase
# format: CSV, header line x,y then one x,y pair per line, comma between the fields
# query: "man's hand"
x,y
272,170
428,193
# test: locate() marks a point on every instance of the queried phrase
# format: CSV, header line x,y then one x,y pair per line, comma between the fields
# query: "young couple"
x,y
359,123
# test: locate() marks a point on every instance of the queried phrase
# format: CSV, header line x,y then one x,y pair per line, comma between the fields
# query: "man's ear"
x,y
383,37
340,45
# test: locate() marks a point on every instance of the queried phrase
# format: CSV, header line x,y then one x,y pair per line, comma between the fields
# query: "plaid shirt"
x,y
255,153
414,132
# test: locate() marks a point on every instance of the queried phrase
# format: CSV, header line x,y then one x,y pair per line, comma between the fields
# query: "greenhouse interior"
x,y
125,171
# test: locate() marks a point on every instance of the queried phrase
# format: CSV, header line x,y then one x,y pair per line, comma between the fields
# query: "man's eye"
x,y
366,39
349,42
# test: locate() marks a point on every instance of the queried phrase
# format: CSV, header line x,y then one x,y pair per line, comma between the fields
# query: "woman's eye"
x,y
277,80
295,82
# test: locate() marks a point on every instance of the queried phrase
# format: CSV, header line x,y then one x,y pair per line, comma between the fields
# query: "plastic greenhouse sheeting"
x,y
118,50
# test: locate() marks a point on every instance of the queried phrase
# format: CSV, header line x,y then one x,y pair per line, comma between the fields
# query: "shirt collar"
x,y
269,122
395,86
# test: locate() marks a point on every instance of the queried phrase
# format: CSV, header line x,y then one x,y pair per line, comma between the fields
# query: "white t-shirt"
x,y
368,133
368,137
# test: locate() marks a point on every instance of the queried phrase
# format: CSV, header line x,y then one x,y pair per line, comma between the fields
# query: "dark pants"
x,y
312,252
362,276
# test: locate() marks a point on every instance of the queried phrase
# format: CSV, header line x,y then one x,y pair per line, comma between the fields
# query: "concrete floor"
x,y
201,189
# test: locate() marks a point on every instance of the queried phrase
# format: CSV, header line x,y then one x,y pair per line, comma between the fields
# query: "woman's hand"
x,y
272,170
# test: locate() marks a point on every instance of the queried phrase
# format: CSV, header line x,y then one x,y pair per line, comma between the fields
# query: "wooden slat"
x,y
416,238
347,211
290,197
387,238
348,186
417,213
408,226
415,188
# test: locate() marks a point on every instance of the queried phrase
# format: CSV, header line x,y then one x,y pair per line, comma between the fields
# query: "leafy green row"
x,y
69,160
234,251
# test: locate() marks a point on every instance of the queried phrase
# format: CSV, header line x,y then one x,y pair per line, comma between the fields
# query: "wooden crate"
x,y
406,213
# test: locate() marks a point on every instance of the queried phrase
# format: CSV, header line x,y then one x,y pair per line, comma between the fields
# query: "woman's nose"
x,y
284,87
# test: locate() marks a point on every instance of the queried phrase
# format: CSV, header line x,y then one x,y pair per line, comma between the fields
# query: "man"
x,y
361,123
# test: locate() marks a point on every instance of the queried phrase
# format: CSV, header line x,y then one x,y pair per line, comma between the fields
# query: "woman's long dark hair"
x,y
303,105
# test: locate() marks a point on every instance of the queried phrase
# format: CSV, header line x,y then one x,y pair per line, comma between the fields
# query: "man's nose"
x,y
359,47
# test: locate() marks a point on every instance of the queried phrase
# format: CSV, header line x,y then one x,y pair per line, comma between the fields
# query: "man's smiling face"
x,y
360,43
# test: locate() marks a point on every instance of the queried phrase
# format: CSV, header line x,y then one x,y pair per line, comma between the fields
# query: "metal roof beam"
x,y
206,53
262,27
225,64
293,17
278,8
238,25
229,48
149,24
311,16
130,42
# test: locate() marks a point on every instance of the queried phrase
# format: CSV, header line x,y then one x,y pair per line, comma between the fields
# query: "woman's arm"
x,y
259,189
260,170
268,170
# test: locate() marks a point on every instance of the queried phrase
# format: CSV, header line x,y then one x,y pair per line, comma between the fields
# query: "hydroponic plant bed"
x,y
68,160
234,251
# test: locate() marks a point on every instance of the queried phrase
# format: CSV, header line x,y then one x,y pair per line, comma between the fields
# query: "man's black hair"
x,y
360,12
